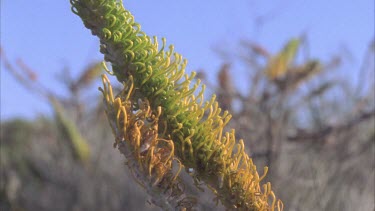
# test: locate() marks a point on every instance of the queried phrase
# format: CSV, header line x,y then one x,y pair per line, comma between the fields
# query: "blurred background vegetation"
x,y
296,114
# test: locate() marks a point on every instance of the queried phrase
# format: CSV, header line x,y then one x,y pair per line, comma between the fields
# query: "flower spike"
x,y
192,131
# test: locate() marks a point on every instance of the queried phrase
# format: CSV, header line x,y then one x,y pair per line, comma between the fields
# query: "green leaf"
x,y
69,130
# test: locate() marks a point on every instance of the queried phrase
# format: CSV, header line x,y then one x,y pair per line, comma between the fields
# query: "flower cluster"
x,y
160,115
149,157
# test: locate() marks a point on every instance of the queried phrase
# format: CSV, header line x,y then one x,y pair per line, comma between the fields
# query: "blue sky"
x,y
48,37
